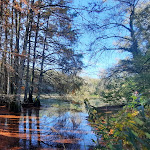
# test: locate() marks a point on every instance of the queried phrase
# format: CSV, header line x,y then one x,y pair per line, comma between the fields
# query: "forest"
x,y
42,53
36,40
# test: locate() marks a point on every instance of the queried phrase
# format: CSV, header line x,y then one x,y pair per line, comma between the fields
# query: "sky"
x,y
94,63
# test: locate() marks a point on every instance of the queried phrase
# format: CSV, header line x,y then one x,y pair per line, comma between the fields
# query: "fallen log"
x,y
109,108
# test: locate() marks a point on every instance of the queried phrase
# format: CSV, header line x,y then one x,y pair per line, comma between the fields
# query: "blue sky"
x,y
100,61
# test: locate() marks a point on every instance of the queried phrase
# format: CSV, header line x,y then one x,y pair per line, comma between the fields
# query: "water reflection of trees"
x,y
65,125
30,126
31,129
8,129
20,131
55,107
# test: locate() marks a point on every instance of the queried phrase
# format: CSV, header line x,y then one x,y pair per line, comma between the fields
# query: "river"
x,y
55,125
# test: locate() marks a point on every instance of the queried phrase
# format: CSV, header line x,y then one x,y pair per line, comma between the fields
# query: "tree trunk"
x,y
22,59
34,57
16,57
42,63
1,29
11,52
5,75
134,47
28,60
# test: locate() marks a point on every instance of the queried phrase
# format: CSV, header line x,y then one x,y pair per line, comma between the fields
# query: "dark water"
x,y
56,125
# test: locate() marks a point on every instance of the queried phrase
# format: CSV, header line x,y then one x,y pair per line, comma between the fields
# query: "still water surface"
x,y
55,125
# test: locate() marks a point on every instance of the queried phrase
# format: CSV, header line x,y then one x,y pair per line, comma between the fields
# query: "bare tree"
x,y
116,23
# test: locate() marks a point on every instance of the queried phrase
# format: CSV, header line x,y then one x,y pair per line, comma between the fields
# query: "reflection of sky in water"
x,y
71,125
55,125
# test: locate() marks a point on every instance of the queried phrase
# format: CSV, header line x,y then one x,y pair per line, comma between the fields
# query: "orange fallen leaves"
x,y
111,131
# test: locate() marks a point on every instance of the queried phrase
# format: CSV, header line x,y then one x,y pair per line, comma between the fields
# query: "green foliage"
x,y
142,23
131,74
89,88
62,83
127,129
120,87
130,127
118,90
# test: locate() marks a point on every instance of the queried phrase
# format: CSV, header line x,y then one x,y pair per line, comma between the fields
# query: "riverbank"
x,y
5,100
95,101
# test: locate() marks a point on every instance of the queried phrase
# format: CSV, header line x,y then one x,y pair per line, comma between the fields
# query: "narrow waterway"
x,y
55,125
